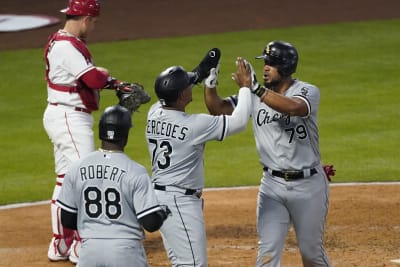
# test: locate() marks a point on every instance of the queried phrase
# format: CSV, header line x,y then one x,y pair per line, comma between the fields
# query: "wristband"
x,y
260,91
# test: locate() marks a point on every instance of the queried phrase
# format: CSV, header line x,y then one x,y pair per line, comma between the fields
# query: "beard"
x,y
272,84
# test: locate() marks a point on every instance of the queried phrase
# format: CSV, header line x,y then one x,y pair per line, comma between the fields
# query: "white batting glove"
x,y
254,83
212,80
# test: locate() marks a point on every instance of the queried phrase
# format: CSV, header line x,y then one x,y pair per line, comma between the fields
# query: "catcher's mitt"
x,y
132,95
210,60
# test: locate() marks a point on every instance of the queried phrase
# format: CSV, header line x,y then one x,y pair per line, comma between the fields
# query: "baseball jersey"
x,y
176,141
109,192
66,65
288,142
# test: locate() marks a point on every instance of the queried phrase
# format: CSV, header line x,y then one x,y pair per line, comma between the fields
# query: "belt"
x,y
74,108
291,175
187,192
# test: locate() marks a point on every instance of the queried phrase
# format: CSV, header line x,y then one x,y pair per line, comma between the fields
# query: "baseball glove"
x,y
210,60
132,95
329,171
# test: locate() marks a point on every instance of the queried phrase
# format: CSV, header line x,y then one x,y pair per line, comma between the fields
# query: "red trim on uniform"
x,y
77,236
60,175
57,236
70,134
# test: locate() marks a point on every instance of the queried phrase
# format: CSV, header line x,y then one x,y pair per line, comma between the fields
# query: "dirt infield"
x,y
362,230
363,227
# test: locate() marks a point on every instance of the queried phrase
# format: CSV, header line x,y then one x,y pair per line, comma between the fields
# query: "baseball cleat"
x,y
56,257
53,253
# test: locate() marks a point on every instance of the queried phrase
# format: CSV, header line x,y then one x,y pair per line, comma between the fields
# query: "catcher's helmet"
x,y
115,123
282,55
171,82
82,8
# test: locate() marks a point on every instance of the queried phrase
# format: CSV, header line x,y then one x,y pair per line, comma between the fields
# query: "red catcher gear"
x,y
82,8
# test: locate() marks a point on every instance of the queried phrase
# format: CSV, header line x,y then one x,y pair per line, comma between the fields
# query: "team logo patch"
x,y
304,91
110,135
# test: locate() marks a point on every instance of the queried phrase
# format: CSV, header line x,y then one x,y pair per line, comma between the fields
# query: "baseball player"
x,y
294,188
108,197
73,85
176,142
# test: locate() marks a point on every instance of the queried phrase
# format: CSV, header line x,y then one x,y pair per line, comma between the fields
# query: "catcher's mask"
x,y
281,55
171,82
82,8
115,123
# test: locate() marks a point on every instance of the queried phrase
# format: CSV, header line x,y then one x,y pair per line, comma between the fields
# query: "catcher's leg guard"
x,y
62,237
75,248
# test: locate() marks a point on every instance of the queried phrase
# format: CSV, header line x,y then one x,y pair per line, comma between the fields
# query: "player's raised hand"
x,y
254,83
212,80
242,77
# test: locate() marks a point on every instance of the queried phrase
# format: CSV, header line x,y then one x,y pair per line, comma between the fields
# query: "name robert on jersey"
x,y
91,172
166,129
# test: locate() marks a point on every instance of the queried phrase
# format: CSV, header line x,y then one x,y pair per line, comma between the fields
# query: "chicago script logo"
x,y
264,117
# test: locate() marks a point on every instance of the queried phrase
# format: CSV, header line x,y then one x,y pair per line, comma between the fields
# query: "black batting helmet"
x,y
171,82
281,55
115,123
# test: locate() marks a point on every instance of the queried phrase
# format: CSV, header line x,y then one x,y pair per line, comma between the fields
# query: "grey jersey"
x,y
109,192
288,142
176,142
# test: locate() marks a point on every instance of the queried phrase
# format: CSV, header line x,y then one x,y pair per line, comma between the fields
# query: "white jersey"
x,y
109,192
66,65
176,141
288,142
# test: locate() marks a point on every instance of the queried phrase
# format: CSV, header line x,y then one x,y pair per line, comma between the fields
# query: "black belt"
x,y
290,175
187,192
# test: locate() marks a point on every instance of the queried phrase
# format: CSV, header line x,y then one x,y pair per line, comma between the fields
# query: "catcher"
x,y
73,89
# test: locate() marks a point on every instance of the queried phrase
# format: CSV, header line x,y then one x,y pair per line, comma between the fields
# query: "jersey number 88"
x,y
93,202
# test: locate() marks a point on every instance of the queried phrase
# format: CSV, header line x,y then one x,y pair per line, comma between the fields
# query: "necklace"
x,y
110,151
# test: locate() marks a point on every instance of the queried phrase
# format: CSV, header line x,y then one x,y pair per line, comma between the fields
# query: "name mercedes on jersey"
x,y
166,129
105,172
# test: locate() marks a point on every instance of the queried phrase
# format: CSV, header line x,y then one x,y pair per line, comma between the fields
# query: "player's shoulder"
x,y
62,44
304,89
133,166
302,84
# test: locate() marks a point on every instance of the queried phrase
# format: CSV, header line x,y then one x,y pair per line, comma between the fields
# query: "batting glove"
x,y
212,80
255,86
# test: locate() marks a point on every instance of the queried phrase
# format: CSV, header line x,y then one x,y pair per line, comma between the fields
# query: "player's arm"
x,y
153,221
96,78
215,104
69,219
292,106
